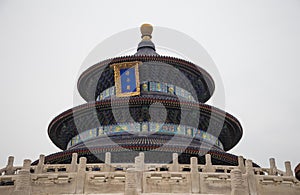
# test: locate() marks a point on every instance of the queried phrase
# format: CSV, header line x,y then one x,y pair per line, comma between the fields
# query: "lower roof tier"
x,y
134,110
127,155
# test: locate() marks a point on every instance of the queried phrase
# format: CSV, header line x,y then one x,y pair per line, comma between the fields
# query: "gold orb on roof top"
x,y
146,30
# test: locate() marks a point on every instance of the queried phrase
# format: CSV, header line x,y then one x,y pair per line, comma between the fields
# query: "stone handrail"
x,y
140,165
139,176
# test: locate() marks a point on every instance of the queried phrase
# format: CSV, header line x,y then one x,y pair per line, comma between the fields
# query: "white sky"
x,y
255,45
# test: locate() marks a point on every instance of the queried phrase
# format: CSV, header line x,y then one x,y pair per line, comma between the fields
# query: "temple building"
x,y
145,129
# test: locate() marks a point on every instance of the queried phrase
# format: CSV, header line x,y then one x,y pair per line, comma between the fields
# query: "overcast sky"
x,y
255,45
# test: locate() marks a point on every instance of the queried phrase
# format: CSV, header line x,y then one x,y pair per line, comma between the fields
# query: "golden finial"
x,y
146,30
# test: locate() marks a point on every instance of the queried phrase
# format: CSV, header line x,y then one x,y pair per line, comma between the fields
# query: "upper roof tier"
x,y
153,67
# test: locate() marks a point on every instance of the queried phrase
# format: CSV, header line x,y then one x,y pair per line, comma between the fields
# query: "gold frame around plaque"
x,y
117,67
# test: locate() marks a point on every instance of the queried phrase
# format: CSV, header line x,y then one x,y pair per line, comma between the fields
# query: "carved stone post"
x,y
273,168
138,172
9,170
208,165
108,158
142,160
131,183
80,179
251,178
237,182
23,183
175,164
137,163
107,166
241,164
26,164
40,166
73,165
288,168
195,177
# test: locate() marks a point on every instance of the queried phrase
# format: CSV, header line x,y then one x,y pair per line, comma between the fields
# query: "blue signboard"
x,y
127,78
